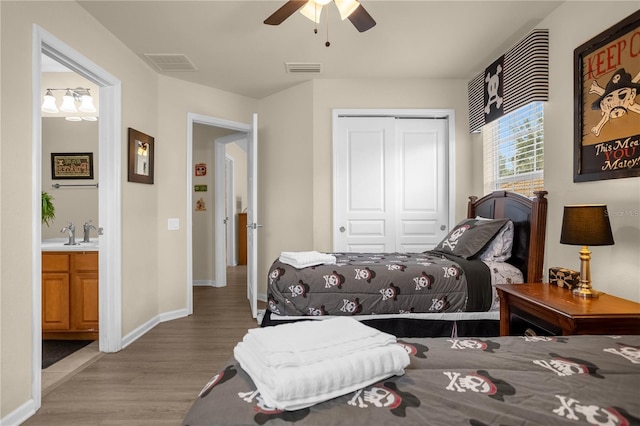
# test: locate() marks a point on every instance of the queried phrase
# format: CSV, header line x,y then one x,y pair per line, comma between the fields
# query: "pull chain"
x,y
327,42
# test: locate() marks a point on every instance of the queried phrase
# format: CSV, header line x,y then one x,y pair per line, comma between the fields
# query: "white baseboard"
x,y
20,414
144,328
206,283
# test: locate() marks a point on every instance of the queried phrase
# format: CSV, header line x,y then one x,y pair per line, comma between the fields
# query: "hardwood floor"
x,y
155,379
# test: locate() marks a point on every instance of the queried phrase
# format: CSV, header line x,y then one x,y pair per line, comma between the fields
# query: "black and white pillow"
x,y
499,249
470,237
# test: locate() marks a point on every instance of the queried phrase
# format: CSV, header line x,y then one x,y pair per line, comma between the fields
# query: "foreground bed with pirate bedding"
x,y
501,380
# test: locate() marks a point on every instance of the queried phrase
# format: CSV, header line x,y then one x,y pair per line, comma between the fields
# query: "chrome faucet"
x,y
87,228
71,229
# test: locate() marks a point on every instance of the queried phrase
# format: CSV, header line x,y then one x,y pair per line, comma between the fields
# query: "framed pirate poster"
x,y
607,112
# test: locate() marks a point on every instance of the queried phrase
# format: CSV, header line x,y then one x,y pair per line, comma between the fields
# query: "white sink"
x,y
61,244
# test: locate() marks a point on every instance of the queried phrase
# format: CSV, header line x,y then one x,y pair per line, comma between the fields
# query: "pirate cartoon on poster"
x,y
607,127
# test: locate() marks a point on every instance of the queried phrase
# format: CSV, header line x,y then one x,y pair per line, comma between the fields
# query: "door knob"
x,y
443,227
342,229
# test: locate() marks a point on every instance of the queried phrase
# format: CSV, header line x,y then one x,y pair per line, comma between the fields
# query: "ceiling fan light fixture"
x,y
312,10
346,7
321,2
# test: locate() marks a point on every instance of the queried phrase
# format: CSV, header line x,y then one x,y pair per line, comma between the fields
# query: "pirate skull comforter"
x,y
503,380
451,278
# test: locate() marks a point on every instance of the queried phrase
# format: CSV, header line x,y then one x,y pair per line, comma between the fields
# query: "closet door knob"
x,y
342,229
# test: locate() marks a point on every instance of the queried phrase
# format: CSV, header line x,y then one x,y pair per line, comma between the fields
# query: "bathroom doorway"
x,y
70,299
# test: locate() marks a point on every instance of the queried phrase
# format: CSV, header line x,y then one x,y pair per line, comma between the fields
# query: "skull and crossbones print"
x,y
616,99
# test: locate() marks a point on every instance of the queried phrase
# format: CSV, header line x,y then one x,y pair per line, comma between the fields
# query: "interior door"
x,y
421,185
252,217
391,184
364,193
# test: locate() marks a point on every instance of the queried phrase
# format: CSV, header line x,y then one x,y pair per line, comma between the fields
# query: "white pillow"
x,y
499,249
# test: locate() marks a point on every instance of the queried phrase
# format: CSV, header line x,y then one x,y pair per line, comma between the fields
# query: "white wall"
x,y
176,99
286,172
614,269
203,230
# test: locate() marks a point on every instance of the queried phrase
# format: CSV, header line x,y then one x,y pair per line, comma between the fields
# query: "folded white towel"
x,y
296,387
301,343
303,259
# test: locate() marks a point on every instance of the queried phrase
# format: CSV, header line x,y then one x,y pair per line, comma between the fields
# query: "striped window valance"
x,y
518,77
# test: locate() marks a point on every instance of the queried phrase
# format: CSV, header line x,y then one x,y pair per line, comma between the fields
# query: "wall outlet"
x,y
173,224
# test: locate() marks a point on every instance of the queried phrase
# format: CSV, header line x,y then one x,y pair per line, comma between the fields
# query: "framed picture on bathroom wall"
x,y
140,157
607,104
72,165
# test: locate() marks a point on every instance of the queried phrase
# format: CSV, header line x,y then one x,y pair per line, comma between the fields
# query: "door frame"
x,y
448,114
243,131
230,192
109,200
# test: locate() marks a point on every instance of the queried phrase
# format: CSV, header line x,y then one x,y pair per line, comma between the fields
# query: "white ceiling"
x,y
234,51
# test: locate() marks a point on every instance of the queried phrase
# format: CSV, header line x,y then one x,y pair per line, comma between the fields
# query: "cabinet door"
x,y
84,299
55,301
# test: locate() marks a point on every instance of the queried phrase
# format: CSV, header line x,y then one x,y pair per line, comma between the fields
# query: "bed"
x,y
454,381
447,291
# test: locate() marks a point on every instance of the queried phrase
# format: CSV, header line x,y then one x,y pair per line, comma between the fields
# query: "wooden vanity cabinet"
x,y
70,295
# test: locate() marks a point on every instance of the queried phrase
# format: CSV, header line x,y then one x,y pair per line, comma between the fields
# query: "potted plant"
x,y
48,210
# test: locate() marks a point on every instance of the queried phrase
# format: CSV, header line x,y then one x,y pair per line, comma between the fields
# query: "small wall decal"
x,y
200,205
201,169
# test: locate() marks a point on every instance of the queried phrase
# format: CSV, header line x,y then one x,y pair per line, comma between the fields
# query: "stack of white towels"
x,y
300,364
303,259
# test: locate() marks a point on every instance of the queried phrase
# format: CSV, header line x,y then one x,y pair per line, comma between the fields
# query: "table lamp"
x,y
586,225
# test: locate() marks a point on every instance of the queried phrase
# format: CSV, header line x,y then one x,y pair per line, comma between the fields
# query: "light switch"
x,y
173,224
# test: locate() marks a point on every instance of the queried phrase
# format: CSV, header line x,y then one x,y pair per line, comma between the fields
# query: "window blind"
x,y
514,151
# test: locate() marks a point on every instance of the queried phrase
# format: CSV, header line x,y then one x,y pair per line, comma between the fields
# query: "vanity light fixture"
x,y
71,96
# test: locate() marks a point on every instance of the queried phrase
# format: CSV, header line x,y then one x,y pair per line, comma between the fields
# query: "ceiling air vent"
x,y
170,62
303,67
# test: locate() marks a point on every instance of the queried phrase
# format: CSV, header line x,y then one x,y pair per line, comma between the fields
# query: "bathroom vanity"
x,y
69,291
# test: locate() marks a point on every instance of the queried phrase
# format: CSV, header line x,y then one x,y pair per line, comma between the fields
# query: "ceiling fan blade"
x,y
288,9
361,19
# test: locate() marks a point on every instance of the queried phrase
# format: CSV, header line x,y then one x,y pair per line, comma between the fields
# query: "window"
x,y
514,151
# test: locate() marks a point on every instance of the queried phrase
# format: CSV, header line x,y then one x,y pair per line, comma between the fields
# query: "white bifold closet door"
x,y
391,184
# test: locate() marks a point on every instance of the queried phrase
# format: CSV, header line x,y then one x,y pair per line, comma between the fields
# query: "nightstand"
x,y
556,309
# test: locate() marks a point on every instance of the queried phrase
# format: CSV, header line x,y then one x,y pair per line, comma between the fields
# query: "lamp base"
x,y
586,293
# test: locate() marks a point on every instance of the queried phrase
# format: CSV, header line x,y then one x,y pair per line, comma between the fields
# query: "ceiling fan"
x,y
350,9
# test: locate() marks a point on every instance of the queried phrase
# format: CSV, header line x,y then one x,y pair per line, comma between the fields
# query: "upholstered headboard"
x,y
529,216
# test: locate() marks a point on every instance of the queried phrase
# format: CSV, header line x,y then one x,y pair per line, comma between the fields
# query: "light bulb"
x,y
346,7
87,104
68,104
49,103
312,10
